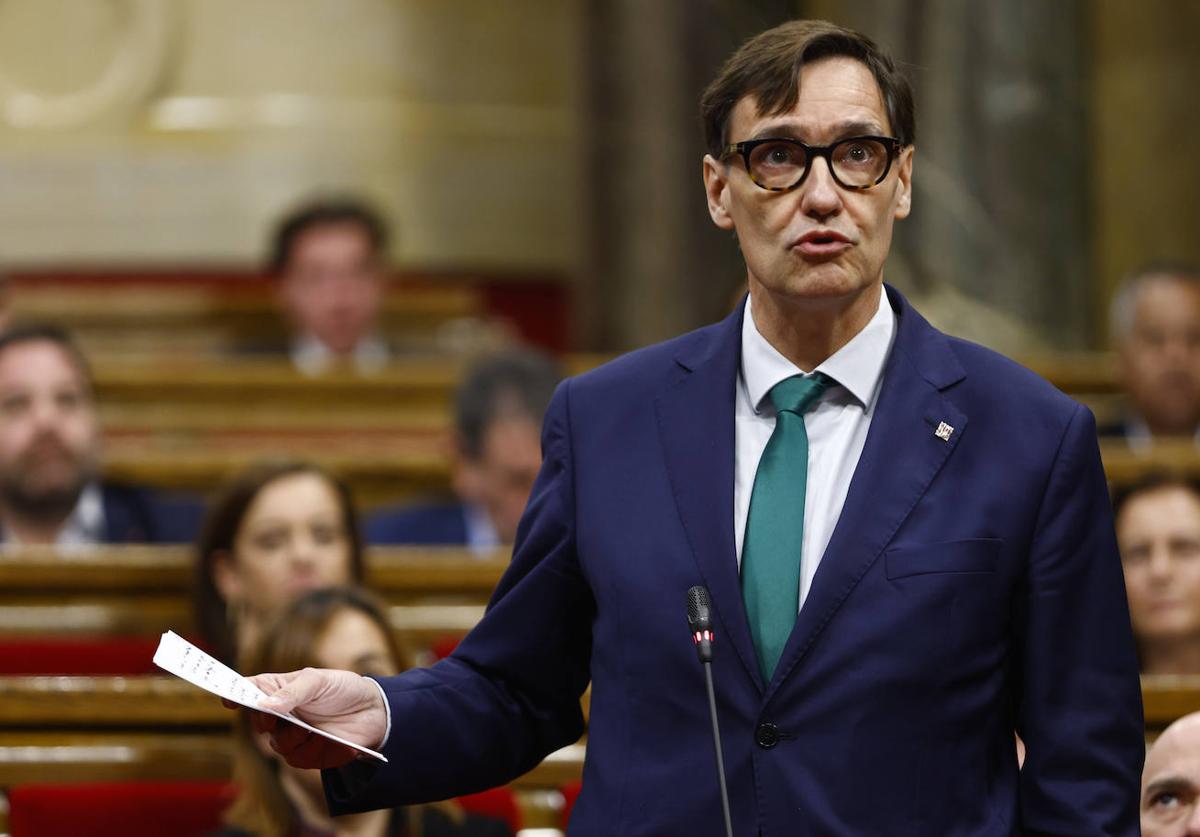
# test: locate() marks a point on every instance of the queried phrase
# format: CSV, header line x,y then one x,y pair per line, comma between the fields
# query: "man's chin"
x,y
46,501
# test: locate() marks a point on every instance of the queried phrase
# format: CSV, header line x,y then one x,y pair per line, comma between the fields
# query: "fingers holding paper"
x,y
345,704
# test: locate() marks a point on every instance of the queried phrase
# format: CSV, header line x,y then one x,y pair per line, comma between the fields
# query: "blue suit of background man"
x,y
971,589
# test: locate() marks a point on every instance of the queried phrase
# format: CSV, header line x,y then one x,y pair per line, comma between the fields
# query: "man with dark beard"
x,y
50,491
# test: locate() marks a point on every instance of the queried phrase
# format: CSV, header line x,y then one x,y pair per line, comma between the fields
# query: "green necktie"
x,y
775,524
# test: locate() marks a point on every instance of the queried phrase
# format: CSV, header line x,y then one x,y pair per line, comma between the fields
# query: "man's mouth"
x,y
822,243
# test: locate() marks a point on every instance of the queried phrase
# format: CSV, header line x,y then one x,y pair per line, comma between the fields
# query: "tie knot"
x,y
798,393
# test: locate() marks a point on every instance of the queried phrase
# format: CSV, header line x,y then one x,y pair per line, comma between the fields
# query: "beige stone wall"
x,y
1146,120
174,131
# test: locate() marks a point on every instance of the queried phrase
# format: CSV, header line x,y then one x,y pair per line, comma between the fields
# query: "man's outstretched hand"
x,y
346,704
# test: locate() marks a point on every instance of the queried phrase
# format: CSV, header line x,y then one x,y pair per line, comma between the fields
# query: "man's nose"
x,y
44,412
820,194
1193,822
1160,563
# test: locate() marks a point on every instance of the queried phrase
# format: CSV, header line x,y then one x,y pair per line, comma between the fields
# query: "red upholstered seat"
x,y
118,809
444,646
78,655
497,803
570,793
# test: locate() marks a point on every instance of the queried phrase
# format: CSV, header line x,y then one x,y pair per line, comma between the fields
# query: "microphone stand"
x,y
700,624
716,733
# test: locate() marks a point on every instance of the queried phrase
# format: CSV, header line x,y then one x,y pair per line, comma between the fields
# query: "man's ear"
x,y
904,198
716,187
226,577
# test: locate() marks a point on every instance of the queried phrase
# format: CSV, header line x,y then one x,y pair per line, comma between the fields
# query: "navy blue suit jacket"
x,y
425,525
139,515
971,588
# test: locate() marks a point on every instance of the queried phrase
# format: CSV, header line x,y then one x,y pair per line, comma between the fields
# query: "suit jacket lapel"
x,y
901,457
695,415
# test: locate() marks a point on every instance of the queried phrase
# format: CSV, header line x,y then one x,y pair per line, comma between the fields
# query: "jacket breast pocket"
x,y
977,555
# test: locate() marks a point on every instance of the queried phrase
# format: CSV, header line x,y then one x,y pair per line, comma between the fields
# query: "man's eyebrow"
x,y
841,130
1174,784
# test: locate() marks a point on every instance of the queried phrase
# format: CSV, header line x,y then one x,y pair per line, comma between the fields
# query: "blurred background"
x,y
495,194
546,152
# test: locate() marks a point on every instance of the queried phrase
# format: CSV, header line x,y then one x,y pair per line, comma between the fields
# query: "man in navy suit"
x,y
50,489
907,541
498,411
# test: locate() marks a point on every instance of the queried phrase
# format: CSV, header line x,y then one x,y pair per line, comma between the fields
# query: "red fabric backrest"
x,y
443,646
570,794
78,655
118,809
497,803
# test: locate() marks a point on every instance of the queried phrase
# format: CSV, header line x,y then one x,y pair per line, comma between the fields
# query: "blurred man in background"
x,y
1171,782
497,453
50,487
1158,529
328,258
1156,328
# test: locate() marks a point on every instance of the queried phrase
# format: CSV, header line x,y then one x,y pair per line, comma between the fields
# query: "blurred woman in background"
x,y
340,628
276,531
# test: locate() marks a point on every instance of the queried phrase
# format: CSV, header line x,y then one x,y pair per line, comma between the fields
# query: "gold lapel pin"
x,y
943,431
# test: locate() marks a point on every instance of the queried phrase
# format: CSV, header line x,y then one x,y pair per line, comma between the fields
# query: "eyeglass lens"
x,y
780,164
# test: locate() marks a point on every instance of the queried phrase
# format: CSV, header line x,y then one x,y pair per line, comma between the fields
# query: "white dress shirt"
x,y
312,357
837,426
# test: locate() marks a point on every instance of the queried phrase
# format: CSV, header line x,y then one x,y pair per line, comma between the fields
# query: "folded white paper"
x,y
179,657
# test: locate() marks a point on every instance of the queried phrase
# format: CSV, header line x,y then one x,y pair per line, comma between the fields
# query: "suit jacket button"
x,y
766,736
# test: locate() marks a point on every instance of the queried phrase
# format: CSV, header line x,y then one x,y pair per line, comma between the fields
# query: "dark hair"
x,y
261,806
768,66
48,333
221,526
518,382
324,213
1151,482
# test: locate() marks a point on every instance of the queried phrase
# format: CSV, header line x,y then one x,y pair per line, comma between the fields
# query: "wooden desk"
x,y
144,590
79,729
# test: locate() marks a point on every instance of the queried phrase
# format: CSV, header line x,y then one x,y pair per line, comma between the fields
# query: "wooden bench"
x,y
92,729
143,591
211,319
79,729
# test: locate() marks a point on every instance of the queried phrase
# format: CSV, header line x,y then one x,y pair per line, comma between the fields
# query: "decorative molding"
x,y
136,68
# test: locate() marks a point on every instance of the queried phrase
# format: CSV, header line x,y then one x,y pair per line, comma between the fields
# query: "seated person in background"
x,y
1170,803
1158,530
277,530
341,628
498,412
328,259
1155,324
50,486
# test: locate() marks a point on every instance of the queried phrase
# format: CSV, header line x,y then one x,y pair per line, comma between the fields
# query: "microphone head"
x,y
699,609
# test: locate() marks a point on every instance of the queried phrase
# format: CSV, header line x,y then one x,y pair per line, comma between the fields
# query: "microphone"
x,y
700,623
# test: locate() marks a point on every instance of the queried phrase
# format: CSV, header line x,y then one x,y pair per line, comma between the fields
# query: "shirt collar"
x,y
857,366
86,523
84,526
481,533
312,357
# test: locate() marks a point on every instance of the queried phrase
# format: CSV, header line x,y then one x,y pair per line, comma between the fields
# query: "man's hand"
x,y
346,704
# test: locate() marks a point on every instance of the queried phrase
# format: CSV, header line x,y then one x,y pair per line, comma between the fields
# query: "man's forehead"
x,y
835,95
1177,752
16,371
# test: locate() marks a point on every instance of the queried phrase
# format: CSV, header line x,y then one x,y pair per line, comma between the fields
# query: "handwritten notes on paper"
x,y
179,657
